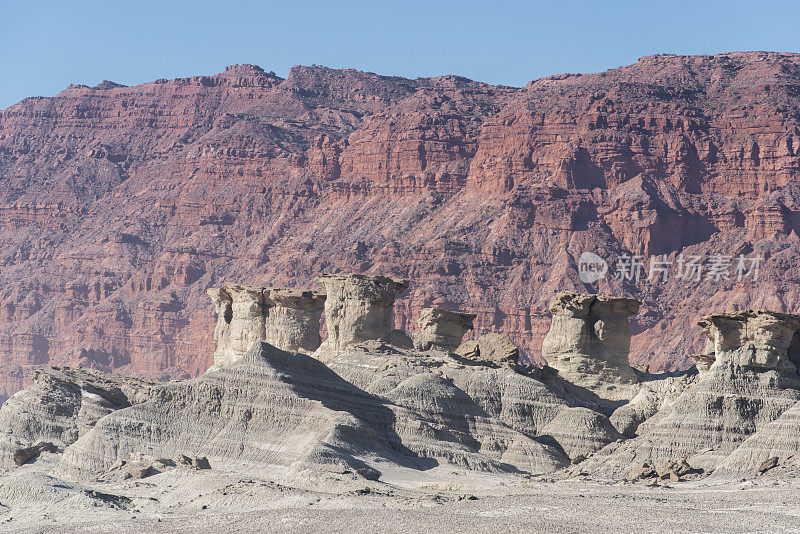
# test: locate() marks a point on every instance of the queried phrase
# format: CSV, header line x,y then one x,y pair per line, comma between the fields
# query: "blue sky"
x,y
49,44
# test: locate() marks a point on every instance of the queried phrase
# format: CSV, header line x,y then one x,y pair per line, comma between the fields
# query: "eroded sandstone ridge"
x,y
590,338
120,206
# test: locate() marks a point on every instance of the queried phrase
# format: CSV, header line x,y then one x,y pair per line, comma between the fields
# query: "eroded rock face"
x,y
61,405
589,339
749,385
441,329
446,180
358,308
320,420
293,318
286,318
756,339
241,316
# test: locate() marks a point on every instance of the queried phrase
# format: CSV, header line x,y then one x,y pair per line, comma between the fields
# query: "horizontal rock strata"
x,y
130,202
358,308
750,384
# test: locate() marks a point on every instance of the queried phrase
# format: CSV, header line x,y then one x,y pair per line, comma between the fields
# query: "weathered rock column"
x,y
240,321
283,317
293,318
358,308
589,339
757,339
441,329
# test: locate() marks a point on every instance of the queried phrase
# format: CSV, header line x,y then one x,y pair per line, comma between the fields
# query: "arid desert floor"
x,y
452,501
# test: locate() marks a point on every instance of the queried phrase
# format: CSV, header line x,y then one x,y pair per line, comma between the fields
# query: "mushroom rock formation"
x,y
751,383
589,339
240,321
284,317
293,318
441,329
358,308
756,339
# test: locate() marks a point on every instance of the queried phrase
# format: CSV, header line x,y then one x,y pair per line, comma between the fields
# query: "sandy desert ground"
x,y
446,501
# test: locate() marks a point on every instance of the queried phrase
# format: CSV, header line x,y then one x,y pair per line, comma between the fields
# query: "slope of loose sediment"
x,y
487,395
444,422
780,439
269,408
580,431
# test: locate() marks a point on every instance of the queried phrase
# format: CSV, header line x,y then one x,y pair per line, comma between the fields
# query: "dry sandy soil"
x,y
446,500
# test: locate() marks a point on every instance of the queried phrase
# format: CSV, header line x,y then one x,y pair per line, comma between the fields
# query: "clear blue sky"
x,y
47,45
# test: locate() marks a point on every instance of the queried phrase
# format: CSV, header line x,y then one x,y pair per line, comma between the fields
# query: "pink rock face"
x,y
120,206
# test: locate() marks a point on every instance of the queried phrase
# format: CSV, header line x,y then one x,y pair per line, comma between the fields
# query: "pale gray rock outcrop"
x,y
498,393
589,339
753,339
370,399
489,349
240,321
293,318
580,431
284,317
276,408
751,383
61,405
779,439
441,329
653,395
358,308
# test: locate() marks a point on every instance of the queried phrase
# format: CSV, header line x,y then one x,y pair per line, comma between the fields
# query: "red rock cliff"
x,y
120,205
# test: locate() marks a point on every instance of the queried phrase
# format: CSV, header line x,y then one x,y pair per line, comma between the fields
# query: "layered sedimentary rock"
x,y
286,318
240,321
589,339
358,308
751,383
442,329
61,405
580,431
273,408
754,339
131,201
492,348
293,318
778,440
653,394
366,404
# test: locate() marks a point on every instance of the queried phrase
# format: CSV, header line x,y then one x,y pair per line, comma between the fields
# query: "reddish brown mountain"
x,y
120,205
